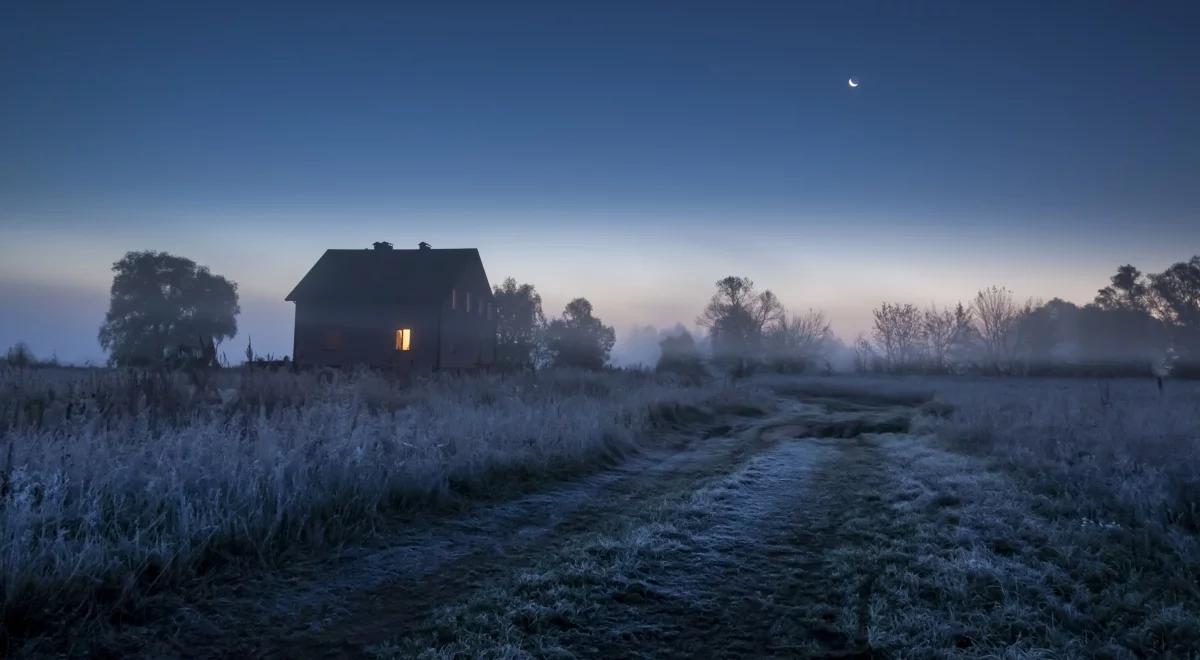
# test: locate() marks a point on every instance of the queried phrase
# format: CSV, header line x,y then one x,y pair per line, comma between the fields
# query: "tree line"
x,y
526,340
167,310
746,330
1138,324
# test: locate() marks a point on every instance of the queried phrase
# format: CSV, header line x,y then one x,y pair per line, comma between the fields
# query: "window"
x,y
404,339
453,298
468,307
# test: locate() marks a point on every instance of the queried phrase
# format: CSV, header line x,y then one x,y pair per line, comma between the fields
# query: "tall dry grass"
x,y
1121,449
115,485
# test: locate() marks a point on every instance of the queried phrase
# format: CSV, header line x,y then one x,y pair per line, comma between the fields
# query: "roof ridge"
x,y
412,274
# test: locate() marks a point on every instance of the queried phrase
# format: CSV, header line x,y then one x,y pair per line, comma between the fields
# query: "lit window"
x,y
404,339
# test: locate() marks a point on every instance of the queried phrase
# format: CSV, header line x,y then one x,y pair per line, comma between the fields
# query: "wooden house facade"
x,y
411,310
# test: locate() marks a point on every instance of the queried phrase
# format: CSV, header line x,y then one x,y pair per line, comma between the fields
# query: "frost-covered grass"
x,y
969,563
1067,518
118,485
1117,450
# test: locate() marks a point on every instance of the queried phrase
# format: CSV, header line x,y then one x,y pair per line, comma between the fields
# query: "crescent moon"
x,y
852,83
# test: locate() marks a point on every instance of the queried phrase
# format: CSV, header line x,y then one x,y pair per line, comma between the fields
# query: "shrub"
x,y
19,355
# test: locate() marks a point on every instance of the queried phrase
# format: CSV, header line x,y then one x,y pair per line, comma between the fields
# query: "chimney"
x,y
424,246
382,245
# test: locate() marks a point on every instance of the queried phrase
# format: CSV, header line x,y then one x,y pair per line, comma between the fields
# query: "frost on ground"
x,y
682,574
789,518
879,545
120,489
972,565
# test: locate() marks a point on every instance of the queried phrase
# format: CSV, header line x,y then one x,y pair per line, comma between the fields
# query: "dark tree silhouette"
x,y
166,310
579,339
736,317
938,330
964,347
998,314
19,355
1062,338
519,324
680,356
1177,302
1129,290
898,335
796,342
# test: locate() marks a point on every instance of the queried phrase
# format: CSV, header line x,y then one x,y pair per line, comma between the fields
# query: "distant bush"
x,y
19,355
680,356
579,339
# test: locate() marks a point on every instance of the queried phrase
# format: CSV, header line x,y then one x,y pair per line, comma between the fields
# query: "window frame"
x,y
403,340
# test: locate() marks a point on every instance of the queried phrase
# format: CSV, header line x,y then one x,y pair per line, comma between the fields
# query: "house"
x,y
419,310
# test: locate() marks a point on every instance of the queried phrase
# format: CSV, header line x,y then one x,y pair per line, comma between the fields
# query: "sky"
x,y
632,153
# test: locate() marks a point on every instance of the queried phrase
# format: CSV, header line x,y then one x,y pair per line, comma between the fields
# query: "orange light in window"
x,y
404,339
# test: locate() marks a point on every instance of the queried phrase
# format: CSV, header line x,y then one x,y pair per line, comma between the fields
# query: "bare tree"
x,y
737,315
897,335
767,310
797,341
866,358
998,314
964,348
938,329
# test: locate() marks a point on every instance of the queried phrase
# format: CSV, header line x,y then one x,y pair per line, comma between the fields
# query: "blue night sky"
x,y
630,153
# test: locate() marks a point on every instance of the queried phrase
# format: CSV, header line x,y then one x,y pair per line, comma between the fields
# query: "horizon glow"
x,y
631,155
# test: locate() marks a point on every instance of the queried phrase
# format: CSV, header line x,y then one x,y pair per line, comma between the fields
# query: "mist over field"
x,y
547,330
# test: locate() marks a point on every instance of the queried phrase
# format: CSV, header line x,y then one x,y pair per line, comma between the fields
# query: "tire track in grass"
x,y
631,507
311,608
874,546
751,564
765,543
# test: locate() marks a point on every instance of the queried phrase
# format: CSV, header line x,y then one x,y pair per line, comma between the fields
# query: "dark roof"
x,y
384,275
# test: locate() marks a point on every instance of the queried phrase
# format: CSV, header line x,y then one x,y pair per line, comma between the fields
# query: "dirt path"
x,y
823,529
763,541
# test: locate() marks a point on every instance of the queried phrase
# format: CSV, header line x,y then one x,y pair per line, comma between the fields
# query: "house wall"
x,y
332,334
342,335
468,338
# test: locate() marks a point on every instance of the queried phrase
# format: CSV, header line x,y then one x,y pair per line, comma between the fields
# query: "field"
x,y
574,514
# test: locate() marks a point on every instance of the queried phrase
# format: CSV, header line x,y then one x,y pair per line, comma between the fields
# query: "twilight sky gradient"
x,y
632,153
